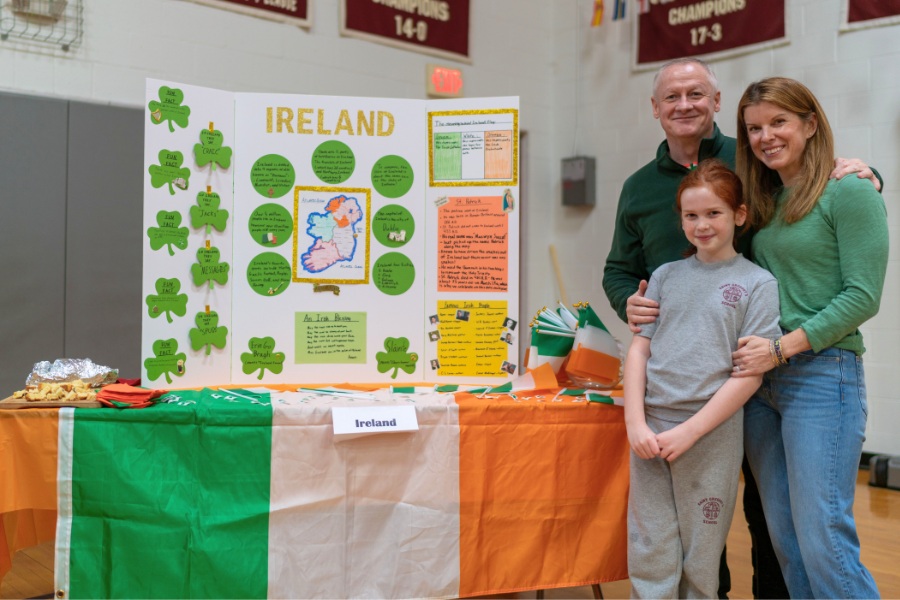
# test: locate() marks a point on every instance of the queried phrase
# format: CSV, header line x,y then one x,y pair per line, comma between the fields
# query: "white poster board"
x,y
321,239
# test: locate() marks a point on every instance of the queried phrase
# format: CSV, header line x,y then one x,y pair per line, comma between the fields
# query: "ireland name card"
x,y
355,421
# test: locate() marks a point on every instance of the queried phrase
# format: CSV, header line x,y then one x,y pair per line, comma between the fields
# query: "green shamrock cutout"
x,y
261,357
166,360
208,268
167,299
208,333
168,233
211,151
169,171
207,212
169,108
396,357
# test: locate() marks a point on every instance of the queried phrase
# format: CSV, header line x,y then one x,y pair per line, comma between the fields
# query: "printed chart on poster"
x,y
320,239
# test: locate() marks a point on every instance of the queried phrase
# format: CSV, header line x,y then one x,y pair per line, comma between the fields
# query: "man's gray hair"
x,y
687,61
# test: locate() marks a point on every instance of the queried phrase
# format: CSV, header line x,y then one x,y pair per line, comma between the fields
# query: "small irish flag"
x,y
552,337
549,349
596,359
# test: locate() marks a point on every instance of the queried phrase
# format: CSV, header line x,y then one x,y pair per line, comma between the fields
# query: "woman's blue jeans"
x,y
803,436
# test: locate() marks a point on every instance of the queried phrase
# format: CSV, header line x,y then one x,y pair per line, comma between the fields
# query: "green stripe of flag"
x,y
158,526
587,316
571,392
411,389
551,345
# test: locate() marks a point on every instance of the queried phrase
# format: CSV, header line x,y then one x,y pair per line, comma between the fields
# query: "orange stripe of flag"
x,y
543,495
28,502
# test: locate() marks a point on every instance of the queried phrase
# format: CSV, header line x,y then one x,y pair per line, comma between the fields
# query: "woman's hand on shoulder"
x,y
753,357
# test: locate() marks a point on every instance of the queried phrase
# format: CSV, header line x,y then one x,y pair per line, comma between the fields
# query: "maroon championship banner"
x,y
436,27
289,11
869,13
668,29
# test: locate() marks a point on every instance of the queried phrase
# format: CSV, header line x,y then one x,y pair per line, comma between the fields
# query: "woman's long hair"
x,y
762,184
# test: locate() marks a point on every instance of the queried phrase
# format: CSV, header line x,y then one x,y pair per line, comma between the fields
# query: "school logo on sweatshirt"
x,y
732,294
711,507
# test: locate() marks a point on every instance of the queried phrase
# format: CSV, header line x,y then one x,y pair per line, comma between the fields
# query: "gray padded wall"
x,y
103,249
32,234
70,244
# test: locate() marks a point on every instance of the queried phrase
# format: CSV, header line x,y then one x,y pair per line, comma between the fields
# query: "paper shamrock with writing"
x,y
166,360
167,300
262,357
208,333
169,171
396,357
208,268
168,233
169,108
210,150
207,212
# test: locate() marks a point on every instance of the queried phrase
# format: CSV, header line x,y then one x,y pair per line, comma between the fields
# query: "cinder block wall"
x,y
578,96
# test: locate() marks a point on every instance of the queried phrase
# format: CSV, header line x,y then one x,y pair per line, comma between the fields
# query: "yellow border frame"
x,y
342,190
479,182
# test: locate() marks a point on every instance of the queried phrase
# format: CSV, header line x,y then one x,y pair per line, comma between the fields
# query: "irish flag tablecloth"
x,y
242,493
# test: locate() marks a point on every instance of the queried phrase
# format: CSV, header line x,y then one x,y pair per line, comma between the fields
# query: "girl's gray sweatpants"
x,y
679,514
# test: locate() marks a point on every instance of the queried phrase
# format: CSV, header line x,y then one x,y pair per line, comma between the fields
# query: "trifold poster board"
x,y
315,239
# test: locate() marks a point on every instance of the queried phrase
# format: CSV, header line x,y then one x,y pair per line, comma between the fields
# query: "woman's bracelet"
x,y
776,353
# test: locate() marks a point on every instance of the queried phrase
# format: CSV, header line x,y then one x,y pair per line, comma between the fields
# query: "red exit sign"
x,y
444,81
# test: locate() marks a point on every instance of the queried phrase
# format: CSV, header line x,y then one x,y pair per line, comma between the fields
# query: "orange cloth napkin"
x,y
120,395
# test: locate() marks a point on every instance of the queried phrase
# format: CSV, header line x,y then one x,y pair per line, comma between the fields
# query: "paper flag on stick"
x,y
566,315
549,349
552,337
587,316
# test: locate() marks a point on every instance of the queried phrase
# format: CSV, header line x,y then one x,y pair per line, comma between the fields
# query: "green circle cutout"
x,y
272,176
333,162
392,176
393,226
271,225
393,273
269,274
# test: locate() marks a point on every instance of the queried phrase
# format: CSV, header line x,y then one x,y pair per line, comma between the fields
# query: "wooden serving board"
x,y
11,402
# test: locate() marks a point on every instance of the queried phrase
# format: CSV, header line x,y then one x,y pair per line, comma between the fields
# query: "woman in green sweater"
x,y
826,241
